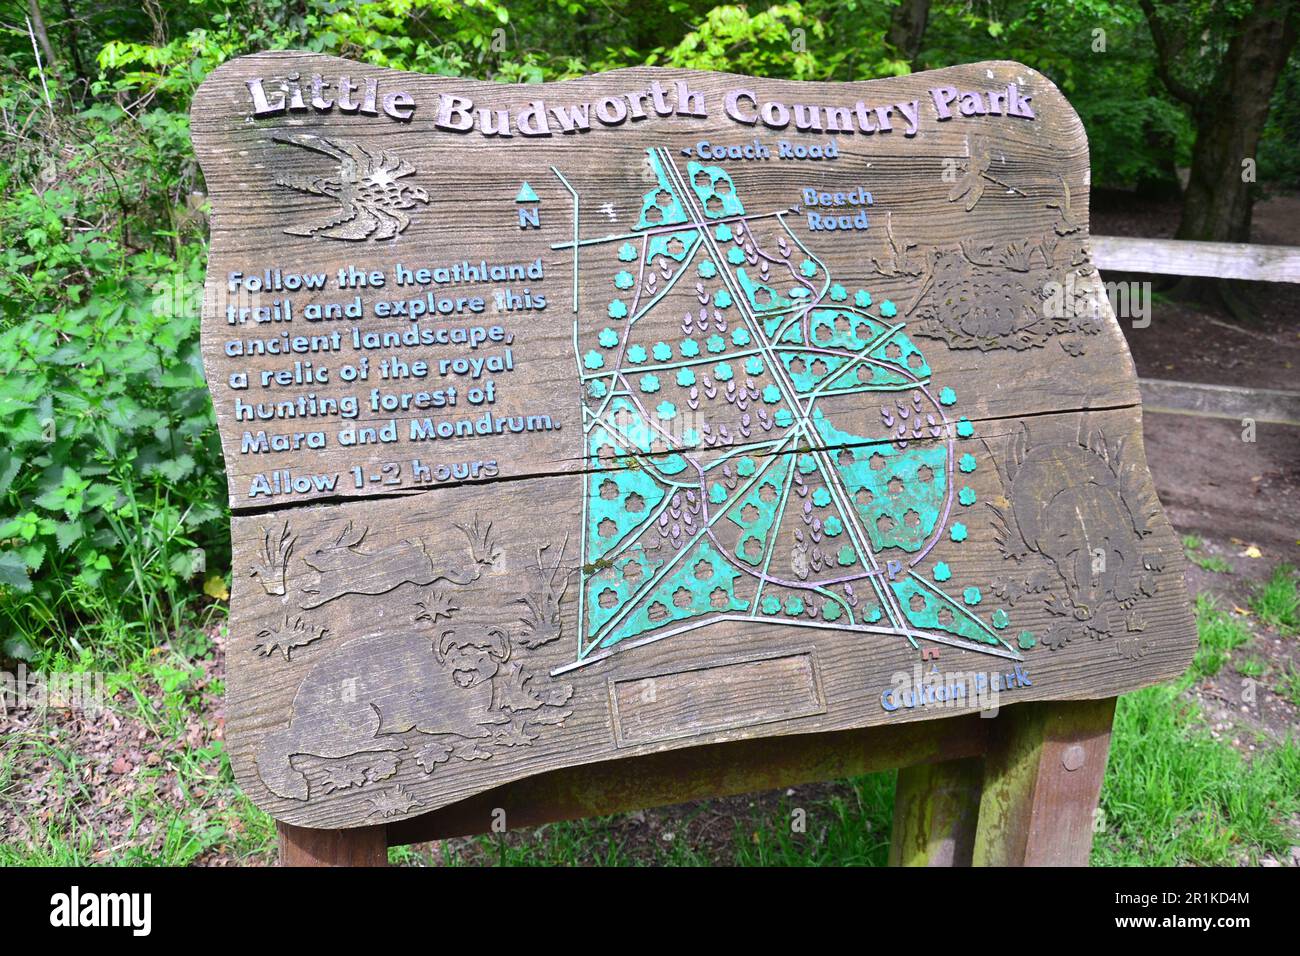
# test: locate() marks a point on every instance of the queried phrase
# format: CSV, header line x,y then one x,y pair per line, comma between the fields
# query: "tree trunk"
x,y
907,27
1229,120
42,37
74,41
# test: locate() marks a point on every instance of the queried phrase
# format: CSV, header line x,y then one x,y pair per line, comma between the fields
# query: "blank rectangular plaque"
x,y
714,697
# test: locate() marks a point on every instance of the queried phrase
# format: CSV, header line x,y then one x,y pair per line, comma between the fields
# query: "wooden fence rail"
x,y
1176,257
1220,260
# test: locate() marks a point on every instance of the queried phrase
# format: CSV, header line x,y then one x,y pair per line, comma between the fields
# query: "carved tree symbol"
x,y
273,559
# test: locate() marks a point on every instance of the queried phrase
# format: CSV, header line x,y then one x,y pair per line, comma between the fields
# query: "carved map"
x,y
574,422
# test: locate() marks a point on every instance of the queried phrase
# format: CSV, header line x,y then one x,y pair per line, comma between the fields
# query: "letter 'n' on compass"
x,y
366,186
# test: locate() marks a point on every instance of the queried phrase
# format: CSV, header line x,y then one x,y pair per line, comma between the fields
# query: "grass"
x,y
1174,794
840,831
1288,685
1220,634
156,834
847,827
1206,562
1252,667
1213,562
177,805
1277,601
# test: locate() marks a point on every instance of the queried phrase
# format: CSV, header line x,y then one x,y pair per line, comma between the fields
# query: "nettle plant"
x,y
112,502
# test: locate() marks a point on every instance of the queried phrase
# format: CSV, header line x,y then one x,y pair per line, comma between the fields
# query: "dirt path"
x,y
1212,482
1220,488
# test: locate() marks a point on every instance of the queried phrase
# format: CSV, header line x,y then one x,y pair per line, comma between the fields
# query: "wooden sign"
x,y
575,422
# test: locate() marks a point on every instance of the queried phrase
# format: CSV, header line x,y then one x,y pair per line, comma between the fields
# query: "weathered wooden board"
x,y
757,430
1183,257
1221,401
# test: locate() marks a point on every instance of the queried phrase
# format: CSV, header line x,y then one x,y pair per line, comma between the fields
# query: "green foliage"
x,y
772,42
112,493
111,488
1279,159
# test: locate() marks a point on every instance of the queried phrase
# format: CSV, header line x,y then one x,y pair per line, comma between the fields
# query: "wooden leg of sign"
x,y
936,807
1042,777
359,846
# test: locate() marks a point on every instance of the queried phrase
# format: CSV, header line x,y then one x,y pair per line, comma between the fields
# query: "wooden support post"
x,y
1042,778
935,811
358,846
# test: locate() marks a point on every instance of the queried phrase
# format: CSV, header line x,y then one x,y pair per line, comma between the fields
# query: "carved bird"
x,y
366,187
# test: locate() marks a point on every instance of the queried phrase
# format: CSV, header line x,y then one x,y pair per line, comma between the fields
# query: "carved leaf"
x,y
383,767
391,802
433,753
342,776
436,605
